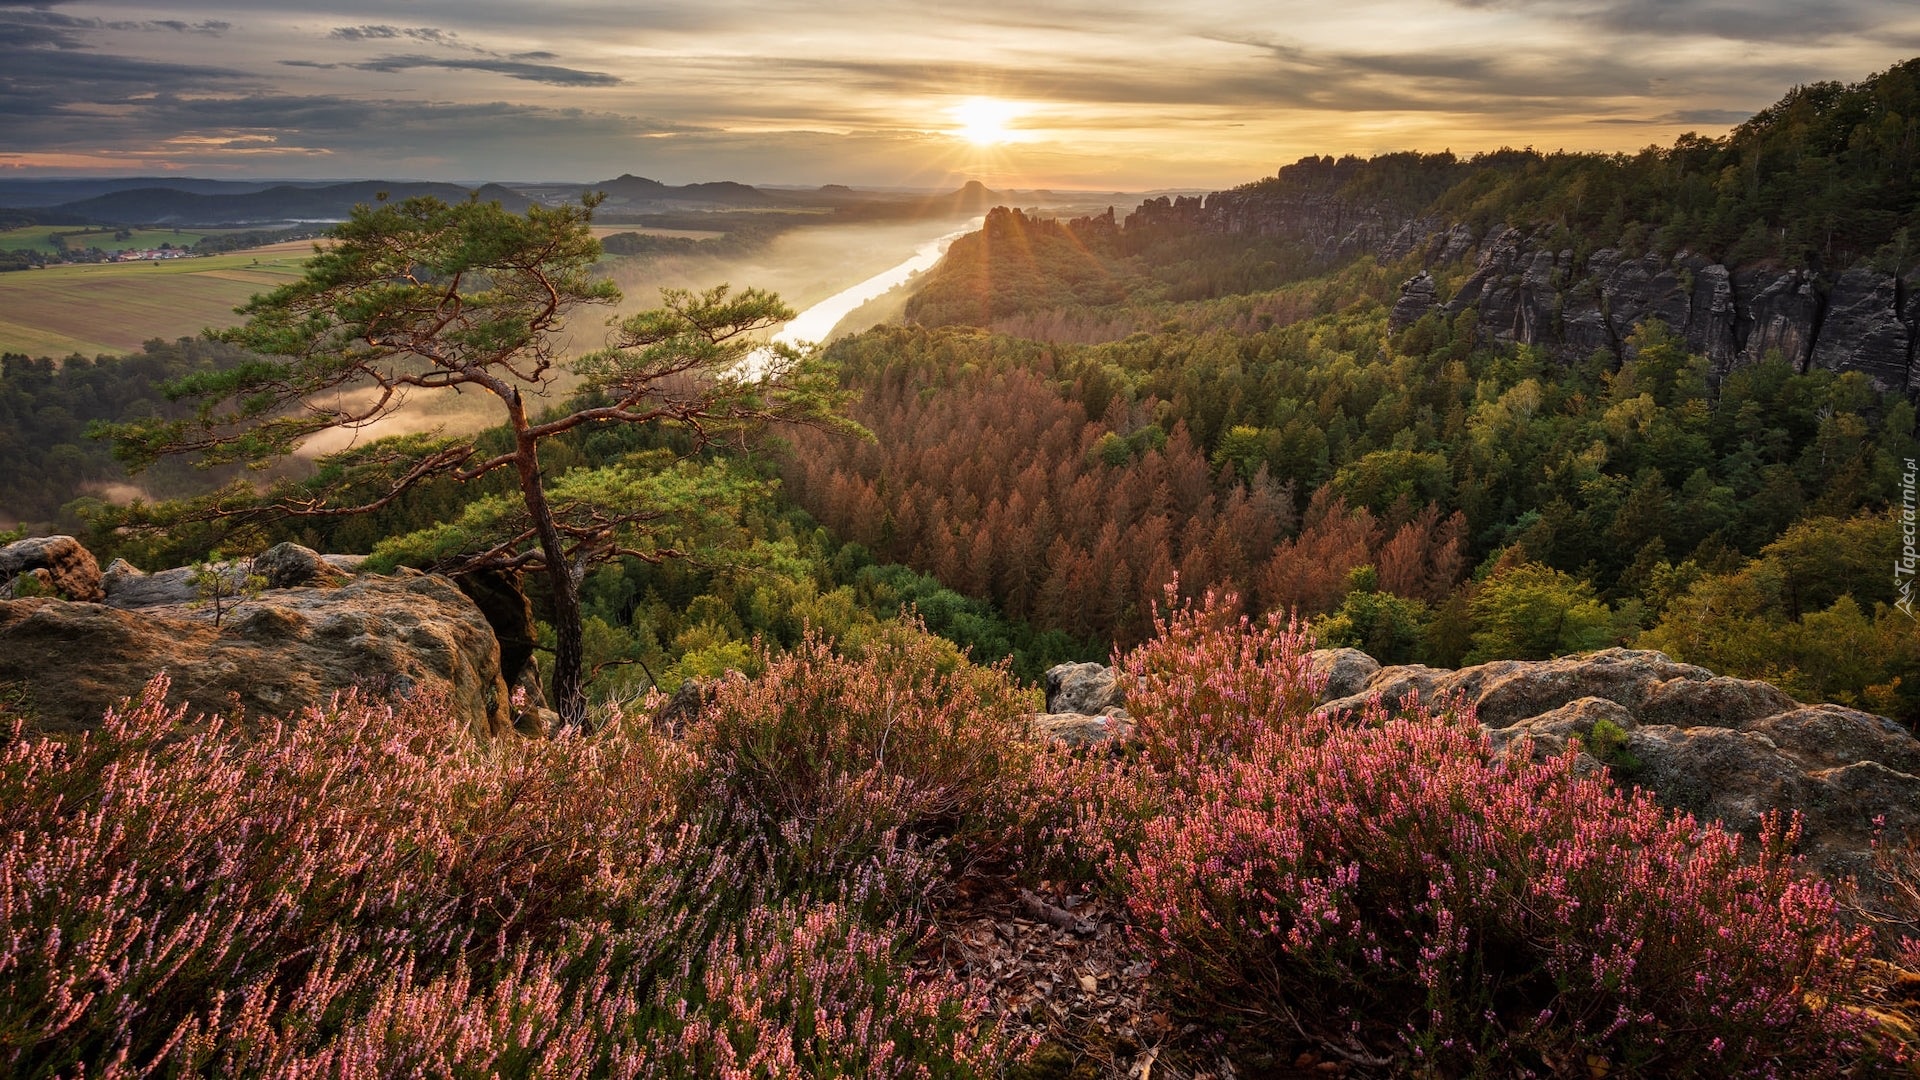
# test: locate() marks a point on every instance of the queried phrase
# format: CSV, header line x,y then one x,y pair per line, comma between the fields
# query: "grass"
x,y
113,307
40,237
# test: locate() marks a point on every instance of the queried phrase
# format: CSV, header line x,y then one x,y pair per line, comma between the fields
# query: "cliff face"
x,y
1528,292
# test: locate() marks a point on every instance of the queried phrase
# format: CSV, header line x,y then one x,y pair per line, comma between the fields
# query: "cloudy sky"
x,y
1084,93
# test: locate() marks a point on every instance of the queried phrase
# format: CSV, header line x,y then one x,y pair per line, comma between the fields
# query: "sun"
x,y
983,121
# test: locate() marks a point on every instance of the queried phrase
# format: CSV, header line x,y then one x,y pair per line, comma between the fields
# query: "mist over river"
x,y
816,323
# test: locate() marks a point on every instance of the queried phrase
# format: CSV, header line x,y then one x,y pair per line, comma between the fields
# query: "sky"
x,y
1084,94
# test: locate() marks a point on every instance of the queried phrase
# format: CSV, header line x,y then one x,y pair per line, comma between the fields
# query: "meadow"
x,y
95,308
80,237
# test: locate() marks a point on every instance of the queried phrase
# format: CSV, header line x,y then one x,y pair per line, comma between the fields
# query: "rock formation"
x,y
316,629
55,565
1528,290
1718,747
1085,705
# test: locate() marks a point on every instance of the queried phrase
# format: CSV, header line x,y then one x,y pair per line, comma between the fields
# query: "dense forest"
x,y
46,459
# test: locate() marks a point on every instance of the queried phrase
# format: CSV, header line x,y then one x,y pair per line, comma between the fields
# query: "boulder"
x,y
686,705
290,566
1085,689
72,573
1078,730
271,654
1346,670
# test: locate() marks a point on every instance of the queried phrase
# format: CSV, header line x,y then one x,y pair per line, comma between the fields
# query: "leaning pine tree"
x,y
421,295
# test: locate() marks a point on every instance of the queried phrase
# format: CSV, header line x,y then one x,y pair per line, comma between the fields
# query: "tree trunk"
x,y
569,655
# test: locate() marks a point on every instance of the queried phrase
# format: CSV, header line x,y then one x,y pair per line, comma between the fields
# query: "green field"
x,y
113,307
40,238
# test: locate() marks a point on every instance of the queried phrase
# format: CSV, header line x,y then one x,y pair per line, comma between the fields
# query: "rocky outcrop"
x,y
1419,294
1718,747
269,653
1087,689
56,566
1865,329
1528,289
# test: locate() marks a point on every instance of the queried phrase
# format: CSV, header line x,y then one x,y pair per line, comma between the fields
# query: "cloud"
x,y
1781,21
550,74
395,136
432,35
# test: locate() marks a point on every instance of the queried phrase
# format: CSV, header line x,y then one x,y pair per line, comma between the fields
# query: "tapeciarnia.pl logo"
x,y
1903,567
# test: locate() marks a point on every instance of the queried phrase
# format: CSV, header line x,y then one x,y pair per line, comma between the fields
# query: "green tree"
x,y
1388,628
1534,612
422,295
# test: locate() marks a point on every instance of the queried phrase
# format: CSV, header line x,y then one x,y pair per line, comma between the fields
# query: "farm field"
x,y
79,237
113,307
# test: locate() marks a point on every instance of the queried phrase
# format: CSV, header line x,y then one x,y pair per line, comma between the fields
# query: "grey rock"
x,y
290,566
1718,747
1346,670
1712,322
1087,689
1780,318
1833,736
1417,297
1712,702
1456,245
1864,330
128,588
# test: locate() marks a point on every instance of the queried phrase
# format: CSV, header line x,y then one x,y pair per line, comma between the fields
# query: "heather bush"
x,y
1210,682
366,891
890,756
1389,881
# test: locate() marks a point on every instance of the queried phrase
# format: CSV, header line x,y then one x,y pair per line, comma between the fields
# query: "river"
x,y
812,326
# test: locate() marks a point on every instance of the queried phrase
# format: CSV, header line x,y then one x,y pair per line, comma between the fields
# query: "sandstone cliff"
x,y
1528,290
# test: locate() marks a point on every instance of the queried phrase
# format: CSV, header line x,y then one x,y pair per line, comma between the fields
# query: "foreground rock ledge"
x,y
1718,747
272,654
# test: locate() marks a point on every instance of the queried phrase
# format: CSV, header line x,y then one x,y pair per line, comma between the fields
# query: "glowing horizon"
x,y
1124,96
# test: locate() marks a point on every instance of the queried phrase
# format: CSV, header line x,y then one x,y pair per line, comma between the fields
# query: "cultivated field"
x,y
113,307
80,237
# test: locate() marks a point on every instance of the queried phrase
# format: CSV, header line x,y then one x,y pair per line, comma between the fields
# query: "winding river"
x,y
814,324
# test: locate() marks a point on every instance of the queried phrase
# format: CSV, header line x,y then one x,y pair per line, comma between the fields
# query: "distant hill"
x,y
637,194
629,198
973,197
281,203
42,193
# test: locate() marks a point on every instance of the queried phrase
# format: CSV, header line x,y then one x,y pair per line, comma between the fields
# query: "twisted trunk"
x,y
569,655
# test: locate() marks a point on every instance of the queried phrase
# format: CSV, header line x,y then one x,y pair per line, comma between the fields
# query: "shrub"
x,y
365,890
893,751
1388,879
1209,683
